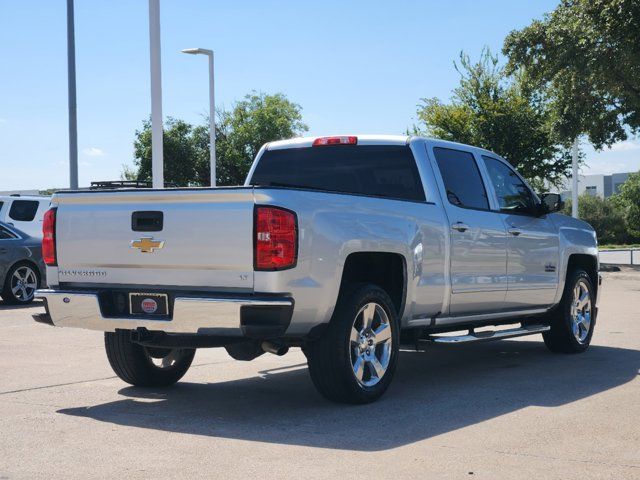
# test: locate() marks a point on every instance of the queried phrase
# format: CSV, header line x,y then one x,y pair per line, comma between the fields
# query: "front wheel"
x,y
572,323
355,358
145,366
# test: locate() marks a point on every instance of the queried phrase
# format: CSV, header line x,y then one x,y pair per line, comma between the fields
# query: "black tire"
x,y
330,356
19,298
562,337
133,363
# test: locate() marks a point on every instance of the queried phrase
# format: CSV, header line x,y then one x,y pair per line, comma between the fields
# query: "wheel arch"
x,y
24,261
588,262
387,270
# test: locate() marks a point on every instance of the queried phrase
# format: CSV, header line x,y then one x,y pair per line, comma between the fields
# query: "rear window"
x,y
23,210
387,171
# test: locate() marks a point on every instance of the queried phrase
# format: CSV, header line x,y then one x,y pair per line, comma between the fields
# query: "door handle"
x,y
459,226
514,231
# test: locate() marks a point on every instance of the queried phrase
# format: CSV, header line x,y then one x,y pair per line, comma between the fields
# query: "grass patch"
x,y
619,247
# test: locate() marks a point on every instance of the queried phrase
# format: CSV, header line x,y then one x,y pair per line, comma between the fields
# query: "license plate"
x,y
148,304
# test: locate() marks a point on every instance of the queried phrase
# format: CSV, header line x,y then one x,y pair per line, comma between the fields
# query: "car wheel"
x,y
21,284
573,322
145,366
355,358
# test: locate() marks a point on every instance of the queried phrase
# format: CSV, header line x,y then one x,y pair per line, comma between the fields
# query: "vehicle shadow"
x,y
434,392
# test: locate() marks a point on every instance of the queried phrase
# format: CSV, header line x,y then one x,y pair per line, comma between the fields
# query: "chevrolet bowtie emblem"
x,y
147,244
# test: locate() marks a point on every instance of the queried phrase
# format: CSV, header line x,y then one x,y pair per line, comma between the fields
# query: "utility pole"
x,y
71,98
574,178
157,159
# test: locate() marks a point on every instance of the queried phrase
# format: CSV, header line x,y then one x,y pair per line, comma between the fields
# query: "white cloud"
x,y
625,146
94,152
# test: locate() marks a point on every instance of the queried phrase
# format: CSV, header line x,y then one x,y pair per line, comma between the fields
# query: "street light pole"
x,y
71,85
212,108
157,160
574,179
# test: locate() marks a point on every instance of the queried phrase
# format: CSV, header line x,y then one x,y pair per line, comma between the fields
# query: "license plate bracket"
x,y
149,304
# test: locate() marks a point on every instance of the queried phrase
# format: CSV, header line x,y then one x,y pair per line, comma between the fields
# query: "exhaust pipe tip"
x,y
276,348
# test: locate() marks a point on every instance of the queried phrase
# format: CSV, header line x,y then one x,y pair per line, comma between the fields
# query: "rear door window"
x,y
387,171
461,177
23,210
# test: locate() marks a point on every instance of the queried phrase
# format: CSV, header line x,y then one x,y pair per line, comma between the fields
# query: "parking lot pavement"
x,y
495,410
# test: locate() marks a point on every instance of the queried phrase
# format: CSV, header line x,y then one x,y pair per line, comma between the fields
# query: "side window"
x,y
513,194
461,178
5,234
23,210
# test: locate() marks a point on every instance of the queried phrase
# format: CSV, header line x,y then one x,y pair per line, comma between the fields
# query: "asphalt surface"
x,y
507,409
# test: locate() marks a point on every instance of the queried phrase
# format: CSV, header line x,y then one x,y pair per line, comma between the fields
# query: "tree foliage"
x,y
629,199
605,216
181,148
240,132
586,55
500,113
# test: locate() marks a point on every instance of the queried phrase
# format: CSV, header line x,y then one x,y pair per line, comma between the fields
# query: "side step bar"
x,y
488,335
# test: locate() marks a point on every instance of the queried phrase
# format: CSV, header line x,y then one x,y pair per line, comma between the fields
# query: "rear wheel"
x,y
355,358
20,284
572,323
145,366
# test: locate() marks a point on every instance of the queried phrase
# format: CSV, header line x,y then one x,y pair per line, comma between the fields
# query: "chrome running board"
x,y
488,335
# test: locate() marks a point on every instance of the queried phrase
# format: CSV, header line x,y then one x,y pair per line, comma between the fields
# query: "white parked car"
x,y
24,212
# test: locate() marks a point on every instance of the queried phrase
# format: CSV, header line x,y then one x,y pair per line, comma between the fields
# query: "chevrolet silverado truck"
x,y
347,247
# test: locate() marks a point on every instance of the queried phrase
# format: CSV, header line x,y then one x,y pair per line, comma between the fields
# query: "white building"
x,y
602,186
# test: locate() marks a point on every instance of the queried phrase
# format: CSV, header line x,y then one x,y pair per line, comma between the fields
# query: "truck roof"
x,y
302,142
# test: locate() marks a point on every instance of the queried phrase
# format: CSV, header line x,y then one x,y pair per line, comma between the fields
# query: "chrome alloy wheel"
x,y
581,312
24,283
370,344
163,357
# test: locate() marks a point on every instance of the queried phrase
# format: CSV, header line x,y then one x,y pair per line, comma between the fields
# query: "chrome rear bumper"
x,y
234,316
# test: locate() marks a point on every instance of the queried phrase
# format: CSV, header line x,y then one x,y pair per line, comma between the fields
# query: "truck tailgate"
x,y
205,241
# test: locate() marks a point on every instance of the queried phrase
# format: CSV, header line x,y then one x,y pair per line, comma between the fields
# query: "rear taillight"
x,y
276,238
344,140
49,237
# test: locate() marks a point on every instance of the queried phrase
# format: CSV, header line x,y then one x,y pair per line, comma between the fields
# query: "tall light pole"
x,y
574,178
71,85
212,109
157,161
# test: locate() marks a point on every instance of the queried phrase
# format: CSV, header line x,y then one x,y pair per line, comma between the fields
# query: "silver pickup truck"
x,y
347,247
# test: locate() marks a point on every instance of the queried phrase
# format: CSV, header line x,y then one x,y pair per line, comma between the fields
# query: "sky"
x,y
353,67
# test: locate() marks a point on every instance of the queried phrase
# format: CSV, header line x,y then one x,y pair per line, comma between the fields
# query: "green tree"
x,y
605,215
586,56
180,153
254,121
629,199
257,119
500,113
